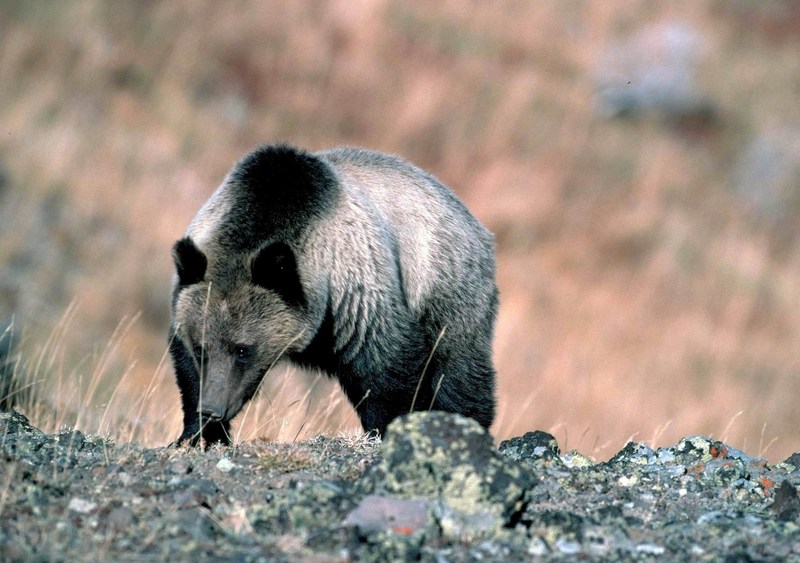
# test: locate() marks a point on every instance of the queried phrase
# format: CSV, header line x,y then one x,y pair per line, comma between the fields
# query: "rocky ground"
x,y
436,489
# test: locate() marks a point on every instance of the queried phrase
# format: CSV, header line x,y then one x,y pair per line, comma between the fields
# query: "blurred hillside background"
x,y
638,161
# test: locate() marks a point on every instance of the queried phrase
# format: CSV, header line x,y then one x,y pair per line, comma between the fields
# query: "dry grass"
x,y
640,294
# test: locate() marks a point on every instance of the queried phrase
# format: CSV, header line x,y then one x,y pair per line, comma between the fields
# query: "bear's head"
x,y
236,331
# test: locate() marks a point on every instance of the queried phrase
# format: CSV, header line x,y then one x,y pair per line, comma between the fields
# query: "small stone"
x,y
575,459
464,526
181,467
532,446
786,505
568,547
376,512
121,518
197,524
12,422
225,465
72,439
236,520
635,453
188,498
205,486
81,506
537,547
650,549
791,463
709,517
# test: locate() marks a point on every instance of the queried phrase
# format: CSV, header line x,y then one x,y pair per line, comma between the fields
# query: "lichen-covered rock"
x,y
791,464
701,449
533,449
66,450
786,505
451,460
699,498
12,422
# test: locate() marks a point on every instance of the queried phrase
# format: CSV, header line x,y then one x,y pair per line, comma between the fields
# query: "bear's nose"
x,y
212,413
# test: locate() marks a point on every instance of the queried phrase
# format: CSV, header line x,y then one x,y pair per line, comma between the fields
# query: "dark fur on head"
x,y
280,191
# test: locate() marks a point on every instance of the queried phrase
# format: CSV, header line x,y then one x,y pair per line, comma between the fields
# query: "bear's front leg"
x,y
190,436
377,411
217,432
189,385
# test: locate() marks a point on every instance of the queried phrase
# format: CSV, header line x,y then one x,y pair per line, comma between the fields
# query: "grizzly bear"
x,y
348,261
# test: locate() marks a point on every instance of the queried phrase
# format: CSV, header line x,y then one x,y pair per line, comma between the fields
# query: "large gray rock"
x,y
451,460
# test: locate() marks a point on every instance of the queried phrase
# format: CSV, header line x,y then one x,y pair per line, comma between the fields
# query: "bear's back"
x,y
442,249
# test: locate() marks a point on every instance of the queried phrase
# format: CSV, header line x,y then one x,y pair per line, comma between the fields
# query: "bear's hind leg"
x,y
465,386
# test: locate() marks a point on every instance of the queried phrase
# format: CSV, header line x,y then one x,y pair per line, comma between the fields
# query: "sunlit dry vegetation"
x,y
648,262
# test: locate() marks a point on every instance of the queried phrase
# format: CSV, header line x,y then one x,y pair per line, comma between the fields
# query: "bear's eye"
x,y
243,353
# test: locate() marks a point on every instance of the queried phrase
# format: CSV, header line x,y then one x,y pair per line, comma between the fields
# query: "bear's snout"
x,y
213,413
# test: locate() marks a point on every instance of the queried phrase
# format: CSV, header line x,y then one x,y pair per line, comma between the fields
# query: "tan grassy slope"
x,y
642,294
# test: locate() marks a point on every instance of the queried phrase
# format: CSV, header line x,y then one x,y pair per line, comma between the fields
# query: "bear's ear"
x,y
190,262
275,268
